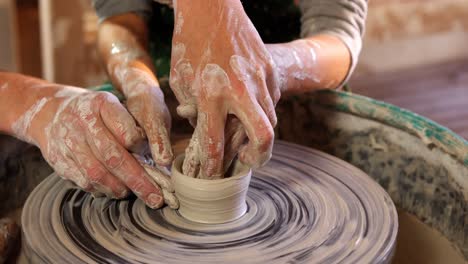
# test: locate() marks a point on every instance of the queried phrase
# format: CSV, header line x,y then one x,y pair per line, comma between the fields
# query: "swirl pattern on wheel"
x,y
305,206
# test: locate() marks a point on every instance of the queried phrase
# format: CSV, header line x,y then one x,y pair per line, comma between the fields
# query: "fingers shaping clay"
x,y
304,206
211,201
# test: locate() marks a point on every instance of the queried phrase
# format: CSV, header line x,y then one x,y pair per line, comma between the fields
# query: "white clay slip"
x,y
211,201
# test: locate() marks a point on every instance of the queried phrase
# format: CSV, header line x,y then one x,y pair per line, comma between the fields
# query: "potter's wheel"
x,y
304,206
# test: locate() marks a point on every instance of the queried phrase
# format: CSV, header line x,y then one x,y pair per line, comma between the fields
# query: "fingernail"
x,y
154,201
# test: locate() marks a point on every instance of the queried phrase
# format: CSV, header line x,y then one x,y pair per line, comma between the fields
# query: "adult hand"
x,y
225,81
85,136
122,44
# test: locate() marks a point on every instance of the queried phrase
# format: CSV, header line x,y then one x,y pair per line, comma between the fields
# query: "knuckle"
x,y
270,63
114,162
272,116
265,138
113,156
265,158
105,97
185,71
95,174
138,186
264,148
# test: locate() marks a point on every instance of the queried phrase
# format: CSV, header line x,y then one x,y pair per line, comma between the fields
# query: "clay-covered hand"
x,y
122,41
85,136
145,102
227,86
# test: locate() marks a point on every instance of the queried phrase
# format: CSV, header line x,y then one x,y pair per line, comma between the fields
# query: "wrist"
x,y
276,52
129,66
318,62
122,45
22,99
35,134
288,64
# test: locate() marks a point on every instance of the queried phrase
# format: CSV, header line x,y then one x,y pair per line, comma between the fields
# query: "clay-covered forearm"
x,y
22,99
344,19
122,44
317,62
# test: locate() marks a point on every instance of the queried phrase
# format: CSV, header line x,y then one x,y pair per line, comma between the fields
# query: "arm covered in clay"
x,y
122,44
328,52
83,135
225,81
228,81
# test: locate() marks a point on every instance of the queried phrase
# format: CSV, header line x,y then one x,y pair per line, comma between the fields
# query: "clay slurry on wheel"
x,y
305,206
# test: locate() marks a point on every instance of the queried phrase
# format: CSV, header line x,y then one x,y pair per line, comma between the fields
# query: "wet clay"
x,y
211,201
304,206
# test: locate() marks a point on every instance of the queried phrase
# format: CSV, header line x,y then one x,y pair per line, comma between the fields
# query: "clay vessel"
x,y
211,201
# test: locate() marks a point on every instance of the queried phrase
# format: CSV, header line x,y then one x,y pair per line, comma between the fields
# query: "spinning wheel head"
x,y
304,206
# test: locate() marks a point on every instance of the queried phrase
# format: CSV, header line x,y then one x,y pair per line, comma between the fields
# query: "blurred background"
x,y
415,52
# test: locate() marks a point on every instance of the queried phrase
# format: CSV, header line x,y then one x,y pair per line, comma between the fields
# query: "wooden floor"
x,y
438,92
